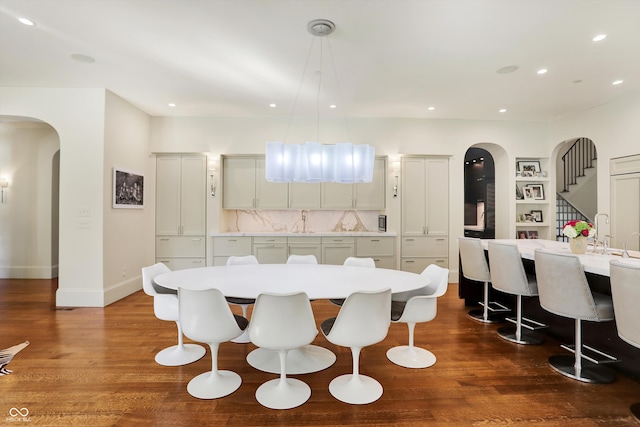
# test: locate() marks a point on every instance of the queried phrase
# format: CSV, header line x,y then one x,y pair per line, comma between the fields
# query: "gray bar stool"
x,y
508,275
625,291
476,268
564,291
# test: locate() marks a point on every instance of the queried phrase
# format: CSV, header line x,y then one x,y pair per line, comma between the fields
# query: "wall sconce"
x,y
396,173
213,168
4,183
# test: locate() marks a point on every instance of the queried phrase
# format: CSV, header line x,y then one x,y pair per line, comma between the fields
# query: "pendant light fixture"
x,y
313,161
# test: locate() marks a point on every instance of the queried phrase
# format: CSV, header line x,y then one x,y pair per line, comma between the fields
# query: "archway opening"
x,y
479,194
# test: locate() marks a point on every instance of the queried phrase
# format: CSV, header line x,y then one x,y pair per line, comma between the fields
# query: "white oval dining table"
x,y
319,281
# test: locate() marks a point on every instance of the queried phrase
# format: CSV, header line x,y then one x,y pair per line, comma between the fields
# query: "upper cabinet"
x,y
180,194
425,196
245,187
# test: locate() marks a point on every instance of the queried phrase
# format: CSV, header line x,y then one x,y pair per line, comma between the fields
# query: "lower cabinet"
x,y
270,250
327,249
418,252
337,249
180,252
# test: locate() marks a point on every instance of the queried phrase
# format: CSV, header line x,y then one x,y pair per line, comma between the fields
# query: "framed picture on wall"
x,y
528,168
128,189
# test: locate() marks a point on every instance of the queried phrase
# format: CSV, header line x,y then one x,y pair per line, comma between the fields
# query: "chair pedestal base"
x,y
589,373
509,333
283,393
301,360
242,339
635,411
491,318
411,357
356,390
180,355
209,385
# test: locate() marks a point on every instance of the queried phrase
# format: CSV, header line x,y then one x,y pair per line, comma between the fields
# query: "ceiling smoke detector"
x,y
321,27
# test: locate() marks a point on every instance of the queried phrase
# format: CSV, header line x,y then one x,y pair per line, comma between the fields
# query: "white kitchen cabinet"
x,y
365,196
425,212
304,195
304,245
244,185
625,201
226,246
335,250
181,210
381,249
270,250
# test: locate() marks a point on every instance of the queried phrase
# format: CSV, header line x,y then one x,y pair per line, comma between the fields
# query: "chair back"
x,y
363,319
242,260
423,307
507,270
563,286
438,284
360,262
625,290
148,273
282,321
302,259
206,317
474,262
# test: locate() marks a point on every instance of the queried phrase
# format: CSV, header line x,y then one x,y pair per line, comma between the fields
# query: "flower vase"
x,y
578,245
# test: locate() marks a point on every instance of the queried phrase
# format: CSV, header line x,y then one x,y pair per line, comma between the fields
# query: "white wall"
x,y
28,243
128,233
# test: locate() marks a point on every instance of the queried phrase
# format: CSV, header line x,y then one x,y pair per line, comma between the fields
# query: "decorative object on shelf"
x,y
313,161
128,189
528,168
533,192
519,195
536,215
577,231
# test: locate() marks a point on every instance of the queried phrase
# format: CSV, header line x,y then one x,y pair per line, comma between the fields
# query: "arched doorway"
x,y
479,194
30,161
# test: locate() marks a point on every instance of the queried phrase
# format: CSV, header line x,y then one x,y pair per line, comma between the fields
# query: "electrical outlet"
x,y
83,211
83,222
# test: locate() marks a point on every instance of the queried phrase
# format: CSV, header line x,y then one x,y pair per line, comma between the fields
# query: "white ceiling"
x,y
392,58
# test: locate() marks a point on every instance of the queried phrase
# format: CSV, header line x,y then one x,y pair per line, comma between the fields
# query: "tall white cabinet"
x,y
425,212
181,210
625,201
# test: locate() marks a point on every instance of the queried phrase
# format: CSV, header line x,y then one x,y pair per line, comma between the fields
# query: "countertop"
x,y
310,234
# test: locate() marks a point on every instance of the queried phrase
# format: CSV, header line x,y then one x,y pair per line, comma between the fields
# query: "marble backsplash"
x,y
300,221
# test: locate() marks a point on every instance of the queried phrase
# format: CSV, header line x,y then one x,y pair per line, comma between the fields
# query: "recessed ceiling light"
x,y
26,21
503,110
171,104
272,105
542,71
508,69
83,58
617,82
431,108
599,37
333,106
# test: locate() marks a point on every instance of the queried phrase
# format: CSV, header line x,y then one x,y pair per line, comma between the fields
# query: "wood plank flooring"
x,y
95,367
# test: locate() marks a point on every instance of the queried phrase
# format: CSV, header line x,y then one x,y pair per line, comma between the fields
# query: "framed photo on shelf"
x,y
527,193
537,191
528,168
523,234
536,215
533,234
128,189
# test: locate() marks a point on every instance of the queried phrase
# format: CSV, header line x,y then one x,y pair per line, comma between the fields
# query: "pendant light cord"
x,y
295,101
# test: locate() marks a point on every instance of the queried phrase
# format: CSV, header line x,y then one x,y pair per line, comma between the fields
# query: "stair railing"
x,y
578,158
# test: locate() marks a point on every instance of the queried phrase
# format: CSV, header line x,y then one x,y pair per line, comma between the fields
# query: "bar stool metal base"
x,y
590,373
491,318
635,411
509,333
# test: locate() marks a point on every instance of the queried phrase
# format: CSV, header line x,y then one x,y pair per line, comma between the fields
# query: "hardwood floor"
x,y
95,367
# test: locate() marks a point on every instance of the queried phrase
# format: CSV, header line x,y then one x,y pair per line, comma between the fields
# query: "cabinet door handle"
x,y
424,229
375,240
440,239
196,240
409,261
232,240
196,261
409,240
165,239
270,240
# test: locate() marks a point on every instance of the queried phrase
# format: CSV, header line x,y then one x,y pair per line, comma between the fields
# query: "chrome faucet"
x,y
625,253
304,222
596,238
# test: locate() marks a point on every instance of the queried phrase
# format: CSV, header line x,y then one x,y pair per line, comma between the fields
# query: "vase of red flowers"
x,y
577,231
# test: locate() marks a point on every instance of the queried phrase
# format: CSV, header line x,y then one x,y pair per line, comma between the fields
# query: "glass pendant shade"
x,y
315,162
